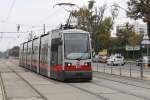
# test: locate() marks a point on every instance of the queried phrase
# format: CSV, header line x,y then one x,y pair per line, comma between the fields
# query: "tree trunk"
x,y
148,29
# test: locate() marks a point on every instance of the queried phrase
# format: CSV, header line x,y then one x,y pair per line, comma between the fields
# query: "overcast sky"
x,y
32,14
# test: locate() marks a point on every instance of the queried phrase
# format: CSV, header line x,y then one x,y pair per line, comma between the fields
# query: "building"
x,y
140,28
137,27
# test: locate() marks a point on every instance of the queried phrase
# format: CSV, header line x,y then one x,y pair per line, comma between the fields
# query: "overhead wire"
x,y
50,15
25,25
10,9
8,15
54,13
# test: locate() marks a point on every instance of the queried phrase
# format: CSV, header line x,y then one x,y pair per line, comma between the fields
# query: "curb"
x,y
4,96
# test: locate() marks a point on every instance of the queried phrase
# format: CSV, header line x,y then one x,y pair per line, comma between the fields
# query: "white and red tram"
x,y
59,54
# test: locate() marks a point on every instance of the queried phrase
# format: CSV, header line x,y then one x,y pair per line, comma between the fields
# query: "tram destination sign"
x,y
132,48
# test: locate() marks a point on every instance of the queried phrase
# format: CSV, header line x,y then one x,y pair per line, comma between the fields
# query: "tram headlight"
x,y
68,64
86,64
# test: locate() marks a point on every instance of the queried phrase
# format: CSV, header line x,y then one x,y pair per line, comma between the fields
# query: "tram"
x,y
59,54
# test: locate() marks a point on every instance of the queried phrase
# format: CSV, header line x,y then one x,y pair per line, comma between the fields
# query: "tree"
x,y
134,39
127,36
124,33
14,51
105,32
92,19
140,9
91,4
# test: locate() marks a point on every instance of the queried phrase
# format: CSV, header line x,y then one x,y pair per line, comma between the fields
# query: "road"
x,y
129,69
20,84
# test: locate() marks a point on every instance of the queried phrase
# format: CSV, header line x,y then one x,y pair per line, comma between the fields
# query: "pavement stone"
x,y
30,98
18,89
1,97
120,96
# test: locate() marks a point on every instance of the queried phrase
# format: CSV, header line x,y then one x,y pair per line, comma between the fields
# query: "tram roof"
x,y
74,31
63,31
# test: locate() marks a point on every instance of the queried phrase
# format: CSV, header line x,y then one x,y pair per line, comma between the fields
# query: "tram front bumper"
x,y
78,74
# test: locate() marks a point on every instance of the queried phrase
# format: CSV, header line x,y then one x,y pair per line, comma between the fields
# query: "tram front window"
x,y
77,46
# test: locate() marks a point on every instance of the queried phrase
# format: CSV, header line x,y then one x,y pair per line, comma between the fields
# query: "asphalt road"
x,y
129,69
22,84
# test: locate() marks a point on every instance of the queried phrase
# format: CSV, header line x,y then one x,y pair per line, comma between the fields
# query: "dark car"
x,y
145,60
139,62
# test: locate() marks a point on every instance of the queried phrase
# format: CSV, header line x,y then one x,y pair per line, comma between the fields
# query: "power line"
x,y
25,25
14,32
13,23
50,15
9,37
10,10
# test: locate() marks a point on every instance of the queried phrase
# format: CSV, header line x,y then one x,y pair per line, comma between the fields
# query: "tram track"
x,y
119,90
47,78
2,86
87,91
123,82
105,86
96,82
82,89
40,95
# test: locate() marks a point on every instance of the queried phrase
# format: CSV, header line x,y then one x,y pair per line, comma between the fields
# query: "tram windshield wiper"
x,y
83,55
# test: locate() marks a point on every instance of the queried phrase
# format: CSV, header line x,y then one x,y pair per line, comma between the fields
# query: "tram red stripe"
x,y
45,66
34,63
56,68
80,68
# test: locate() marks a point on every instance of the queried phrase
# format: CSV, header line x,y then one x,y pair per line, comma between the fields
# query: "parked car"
x,y
115,60
145,60
96,58
103,59
139,62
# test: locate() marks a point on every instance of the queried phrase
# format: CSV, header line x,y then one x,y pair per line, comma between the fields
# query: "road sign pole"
x,y
141,71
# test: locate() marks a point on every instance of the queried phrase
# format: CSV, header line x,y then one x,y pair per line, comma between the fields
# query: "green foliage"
x,y
134,39
94,22
140,9
104,40
91,4
14,51
115,42
106,25
127,36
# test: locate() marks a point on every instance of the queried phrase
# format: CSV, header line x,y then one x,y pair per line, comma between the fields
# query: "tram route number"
x,y
78,64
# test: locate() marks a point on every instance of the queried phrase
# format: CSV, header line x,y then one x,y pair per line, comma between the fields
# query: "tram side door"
x,y
56,53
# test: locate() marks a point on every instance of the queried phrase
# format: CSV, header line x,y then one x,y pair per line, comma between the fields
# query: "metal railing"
x,y
138,70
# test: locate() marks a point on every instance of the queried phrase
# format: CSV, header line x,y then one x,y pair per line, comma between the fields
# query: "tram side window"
x,y
56,52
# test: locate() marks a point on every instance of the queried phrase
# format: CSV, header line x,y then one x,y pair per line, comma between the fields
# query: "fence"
x,y
130,69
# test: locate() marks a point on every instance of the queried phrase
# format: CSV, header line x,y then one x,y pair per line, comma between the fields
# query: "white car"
x,y
115,60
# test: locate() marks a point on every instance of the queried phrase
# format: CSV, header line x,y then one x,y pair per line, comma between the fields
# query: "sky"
x,y
32,14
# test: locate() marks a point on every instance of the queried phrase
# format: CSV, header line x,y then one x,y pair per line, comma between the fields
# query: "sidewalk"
x,y
2,97
1,94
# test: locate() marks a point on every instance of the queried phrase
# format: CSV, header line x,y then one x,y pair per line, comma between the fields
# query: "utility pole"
x,y
44,28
